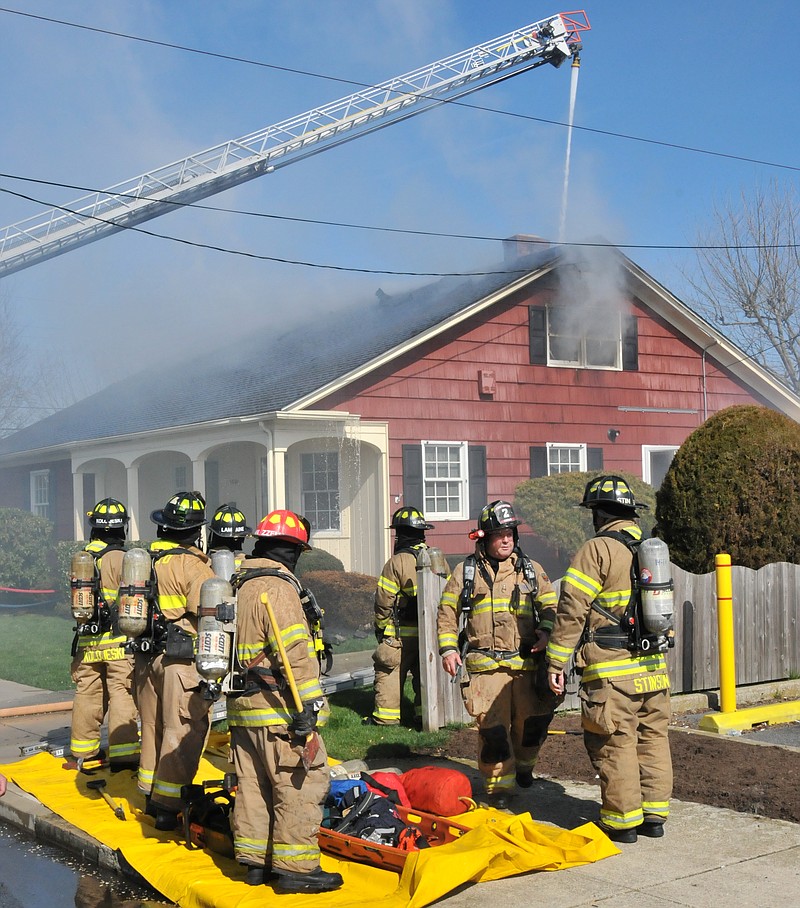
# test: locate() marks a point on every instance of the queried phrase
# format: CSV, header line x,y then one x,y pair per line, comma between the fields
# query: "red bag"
x,y
436,789
387,784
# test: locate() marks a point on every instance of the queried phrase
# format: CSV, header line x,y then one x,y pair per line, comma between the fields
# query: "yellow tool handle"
x,y
282,652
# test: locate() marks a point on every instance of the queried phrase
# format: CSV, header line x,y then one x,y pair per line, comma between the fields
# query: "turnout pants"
x,y
104,687
626,737
175,725
278,804
512,723
394,659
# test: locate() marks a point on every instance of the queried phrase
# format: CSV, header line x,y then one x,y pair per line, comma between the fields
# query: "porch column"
x,y
78,506
277,489
199,477
133,502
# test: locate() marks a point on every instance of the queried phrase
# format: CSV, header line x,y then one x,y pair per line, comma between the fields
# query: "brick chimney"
x,y
522,244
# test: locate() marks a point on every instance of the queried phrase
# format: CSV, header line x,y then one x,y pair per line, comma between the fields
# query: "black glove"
x,y
379,634
303,724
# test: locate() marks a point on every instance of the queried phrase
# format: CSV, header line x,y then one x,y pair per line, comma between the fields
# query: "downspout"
x,y
705,386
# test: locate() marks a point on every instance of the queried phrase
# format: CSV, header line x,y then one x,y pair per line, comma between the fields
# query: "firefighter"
x,y
624,695
397,621
494,618
278,800
102,670
174,713
228,529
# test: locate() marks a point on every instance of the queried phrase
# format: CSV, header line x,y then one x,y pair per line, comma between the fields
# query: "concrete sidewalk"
x,y
708,856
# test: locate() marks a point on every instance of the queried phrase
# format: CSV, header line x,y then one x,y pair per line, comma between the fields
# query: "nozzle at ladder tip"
x,y
576,60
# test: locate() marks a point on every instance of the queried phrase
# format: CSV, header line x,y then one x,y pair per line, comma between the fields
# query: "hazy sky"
x,y
93,110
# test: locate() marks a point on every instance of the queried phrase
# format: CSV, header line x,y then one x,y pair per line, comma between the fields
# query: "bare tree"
x,y
748,277
31,386
13,386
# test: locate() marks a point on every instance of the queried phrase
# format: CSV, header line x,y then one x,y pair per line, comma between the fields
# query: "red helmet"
x,y
285,525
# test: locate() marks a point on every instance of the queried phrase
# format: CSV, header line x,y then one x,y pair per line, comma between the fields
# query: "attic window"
x,y
591,338
583,338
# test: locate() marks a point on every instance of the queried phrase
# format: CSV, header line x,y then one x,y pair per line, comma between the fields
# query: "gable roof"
x,y
311,356
331,350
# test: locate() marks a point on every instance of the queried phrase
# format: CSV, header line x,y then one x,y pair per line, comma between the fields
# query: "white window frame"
x,y
316,529
647,450
561,446
40,506
461,482
581,362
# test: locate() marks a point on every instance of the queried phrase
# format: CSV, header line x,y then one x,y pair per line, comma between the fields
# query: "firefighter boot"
x,y
166,820
255,876
316,881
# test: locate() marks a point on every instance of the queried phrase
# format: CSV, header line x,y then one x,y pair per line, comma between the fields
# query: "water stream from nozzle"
x,y
573,91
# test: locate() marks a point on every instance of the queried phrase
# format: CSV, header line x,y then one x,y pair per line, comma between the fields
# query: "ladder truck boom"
x,y
198,176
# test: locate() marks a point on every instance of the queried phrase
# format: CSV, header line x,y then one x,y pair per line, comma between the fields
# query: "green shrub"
x,y
734,487
549,506
348,599
317,560
25,542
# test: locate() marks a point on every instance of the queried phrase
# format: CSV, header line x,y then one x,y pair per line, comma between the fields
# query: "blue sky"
x,y
93,110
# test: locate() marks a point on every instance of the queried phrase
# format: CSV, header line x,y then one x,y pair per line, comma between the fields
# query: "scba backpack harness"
x,y
471,564
311,609
92,613
646,624
155,634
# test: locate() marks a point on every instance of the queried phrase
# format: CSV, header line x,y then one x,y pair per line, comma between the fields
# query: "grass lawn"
x,y
35,650
347,739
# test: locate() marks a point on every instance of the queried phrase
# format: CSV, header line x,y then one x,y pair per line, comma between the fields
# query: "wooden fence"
x,y
766,610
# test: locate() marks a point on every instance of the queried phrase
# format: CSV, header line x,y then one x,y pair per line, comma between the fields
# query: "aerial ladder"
x,y
551,40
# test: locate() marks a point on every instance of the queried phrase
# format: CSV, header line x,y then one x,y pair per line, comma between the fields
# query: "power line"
x,y
393,273
301,72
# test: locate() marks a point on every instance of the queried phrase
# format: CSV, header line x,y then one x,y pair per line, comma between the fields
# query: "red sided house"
x,y
445,398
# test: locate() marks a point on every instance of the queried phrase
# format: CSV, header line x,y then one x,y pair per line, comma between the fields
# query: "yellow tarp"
x,y
498,845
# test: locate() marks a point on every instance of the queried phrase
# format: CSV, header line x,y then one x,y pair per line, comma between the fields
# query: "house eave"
x,y
418,340
714,344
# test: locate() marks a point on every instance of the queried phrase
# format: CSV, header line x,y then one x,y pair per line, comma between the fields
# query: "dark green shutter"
x,y
477,479
538,461
537,334
630,343
594,459
412,477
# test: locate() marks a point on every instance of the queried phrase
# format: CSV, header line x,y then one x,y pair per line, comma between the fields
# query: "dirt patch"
x,y
716,770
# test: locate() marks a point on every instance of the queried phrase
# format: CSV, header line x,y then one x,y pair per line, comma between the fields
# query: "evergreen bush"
x,y
317,560
25,542
734,487
347,598
548,505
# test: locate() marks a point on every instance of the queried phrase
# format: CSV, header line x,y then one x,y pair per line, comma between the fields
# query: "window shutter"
x,y
630,343
412,477
537,334
594,458
477,479
538,461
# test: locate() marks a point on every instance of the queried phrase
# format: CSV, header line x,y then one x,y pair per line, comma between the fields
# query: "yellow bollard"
x,y
727,661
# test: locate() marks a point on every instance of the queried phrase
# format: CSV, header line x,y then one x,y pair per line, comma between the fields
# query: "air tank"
x,y
655,583
82,586
215,635
223,563
134,586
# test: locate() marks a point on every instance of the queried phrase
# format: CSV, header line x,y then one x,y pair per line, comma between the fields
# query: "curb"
x,y
25,813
